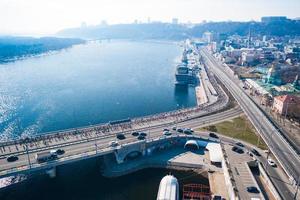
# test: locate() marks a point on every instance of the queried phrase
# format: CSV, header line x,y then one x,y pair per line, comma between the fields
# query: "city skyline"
x,y
40,17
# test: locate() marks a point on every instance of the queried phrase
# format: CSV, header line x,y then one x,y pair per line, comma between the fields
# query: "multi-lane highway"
x,y
284,153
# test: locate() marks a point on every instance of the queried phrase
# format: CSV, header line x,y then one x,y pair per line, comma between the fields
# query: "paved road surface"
x,y
284,153
102,141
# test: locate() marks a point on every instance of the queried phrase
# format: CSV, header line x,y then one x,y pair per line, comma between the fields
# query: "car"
x,y
255,152
179,130
217,197
266,151
141,137
135,133
252,189
271,162
57,151
213,135
239,144
121,136
12,158
187,131
113,143
174,128
191,130
167,133
45,156
143,134
166,129
237,149
60,151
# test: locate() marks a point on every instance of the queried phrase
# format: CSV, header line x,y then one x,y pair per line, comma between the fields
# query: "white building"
x,y
168,188
208,37
175,21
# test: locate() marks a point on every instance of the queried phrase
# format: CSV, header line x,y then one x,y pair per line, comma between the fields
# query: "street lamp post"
x,y
96,146
296,193
28,156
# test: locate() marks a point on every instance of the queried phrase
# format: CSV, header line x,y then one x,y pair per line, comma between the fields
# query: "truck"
x,y
45,156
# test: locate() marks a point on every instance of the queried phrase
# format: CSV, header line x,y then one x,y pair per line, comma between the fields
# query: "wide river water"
x,y
88,84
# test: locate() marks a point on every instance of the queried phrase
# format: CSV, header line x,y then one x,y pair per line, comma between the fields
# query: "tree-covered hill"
x,y
15,47
179,31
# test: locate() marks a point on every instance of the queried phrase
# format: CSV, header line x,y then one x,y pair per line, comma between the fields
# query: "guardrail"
x,y
88,154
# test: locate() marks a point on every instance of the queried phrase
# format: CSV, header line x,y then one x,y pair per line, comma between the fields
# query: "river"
x,y
89,84
83,181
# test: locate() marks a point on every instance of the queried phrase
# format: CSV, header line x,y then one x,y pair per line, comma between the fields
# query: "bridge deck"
x,y
86,147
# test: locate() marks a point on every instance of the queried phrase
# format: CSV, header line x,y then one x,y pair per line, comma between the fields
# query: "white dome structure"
x,y
168,188
193,144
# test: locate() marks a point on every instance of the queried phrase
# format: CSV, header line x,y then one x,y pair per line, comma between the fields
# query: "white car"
x,y
57,152
113,143
53,152
167,133
266,151
271,162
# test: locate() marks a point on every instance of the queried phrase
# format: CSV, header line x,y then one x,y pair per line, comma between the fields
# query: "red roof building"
x,y
286,105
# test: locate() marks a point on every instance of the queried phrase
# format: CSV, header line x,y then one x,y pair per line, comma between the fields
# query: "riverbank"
x,y
14,48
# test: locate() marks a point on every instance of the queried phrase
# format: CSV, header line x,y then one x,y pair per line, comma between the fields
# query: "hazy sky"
x,y
49,16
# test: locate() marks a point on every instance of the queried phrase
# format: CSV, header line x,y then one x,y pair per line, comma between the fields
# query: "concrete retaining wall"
x,y
228,182
268,182
228,177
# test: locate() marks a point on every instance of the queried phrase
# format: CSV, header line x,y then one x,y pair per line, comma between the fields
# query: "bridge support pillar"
x,y
51,172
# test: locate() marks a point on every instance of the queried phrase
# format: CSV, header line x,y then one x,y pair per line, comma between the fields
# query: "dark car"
x,y
140,137
174,128
12,158
237,149
240,144
143,134
167,133
60,151
213,135
179,130
135,133
166,129
252,189
217,197
187,131
255,152
121,136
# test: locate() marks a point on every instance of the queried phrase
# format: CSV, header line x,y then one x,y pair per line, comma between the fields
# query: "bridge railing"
x,y
88,154
59,161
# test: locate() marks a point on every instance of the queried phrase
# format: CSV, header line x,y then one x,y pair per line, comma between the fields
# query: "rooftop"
x,y
288,98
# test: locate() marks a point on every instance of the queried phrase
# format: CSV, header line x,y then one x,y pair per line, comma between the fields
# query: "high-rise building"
x,y
83,25
207,37
264,38
175,21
